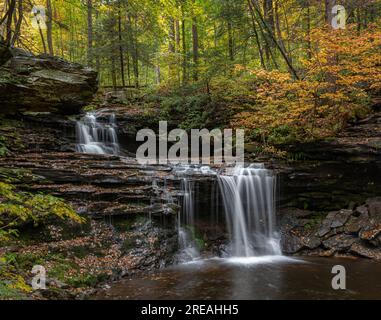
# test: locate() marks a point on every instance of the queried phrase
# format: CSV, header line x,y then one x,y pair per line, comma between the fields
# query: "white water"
x,y
249,203
186,221
248,196
94,137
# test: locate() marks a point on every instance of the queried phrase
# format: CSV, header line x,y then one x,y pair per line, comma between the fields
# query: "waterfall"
x,y
249,203
94,137
186,220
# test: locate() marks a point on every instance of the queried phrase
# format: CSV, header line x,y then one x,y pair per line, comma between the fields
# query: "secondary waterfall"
x,y
94,137
249,203
186,220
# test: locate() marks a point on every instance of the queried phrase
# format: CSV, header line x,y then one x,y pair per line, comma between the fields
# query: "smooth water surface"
x,y
262,278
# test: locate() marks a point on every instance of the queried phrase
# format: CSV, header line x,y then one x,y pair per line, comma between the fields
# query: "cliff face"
x,y
43,83
329,201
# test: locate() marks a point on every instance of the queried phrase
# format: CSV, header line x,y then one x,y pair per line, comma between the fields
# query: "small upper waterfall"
x,y
94,137
249,203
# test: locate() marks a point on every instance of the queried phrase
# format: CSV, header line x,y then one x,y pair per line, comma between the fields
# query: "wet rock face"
x,y
331,174
350,232
43,83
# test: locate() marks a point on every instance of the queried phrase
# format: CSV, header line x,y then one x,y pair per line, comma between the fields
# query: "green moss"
x,y
196,235
7,292
314,221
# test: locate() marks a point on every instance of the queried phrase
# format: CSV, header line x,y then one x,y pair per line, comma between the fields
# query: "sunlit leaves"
x,y
17,208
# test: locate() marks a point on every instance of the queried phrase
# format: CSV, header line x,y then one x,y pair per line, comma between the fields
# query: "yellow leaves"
x,y
19,283
16,207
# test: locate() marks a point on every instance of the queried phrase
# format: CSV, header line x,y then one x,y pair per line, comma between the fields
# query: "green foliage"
x,y
18,208
12,284
3,149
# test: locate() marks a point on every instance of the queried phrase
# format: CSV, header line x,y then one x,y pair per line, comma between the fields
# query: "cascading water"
x,y
186,220
94,137
249,203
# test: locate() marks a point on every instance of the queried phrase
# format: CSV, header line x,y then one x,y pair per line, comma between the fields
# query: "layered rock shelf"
x,y
43,83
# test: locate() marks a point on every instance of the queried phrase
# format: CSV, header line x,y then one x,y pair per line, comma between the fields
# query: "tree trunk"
x,y
230,41
18,22
89,32
329,4
195,49
8,19
268,9
272,36
97,58
49,26
268,14
120,38
172,48
178,49
178,38
184,46
309,46
135,50
278,28
260,50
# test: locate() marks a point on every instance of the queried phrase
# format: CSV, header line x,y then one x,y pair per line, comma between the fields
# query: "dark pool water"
x,y
253,279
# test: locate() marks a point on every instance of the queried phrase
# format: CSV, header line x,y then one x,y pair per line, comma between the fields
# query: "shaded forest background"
x,y
276,68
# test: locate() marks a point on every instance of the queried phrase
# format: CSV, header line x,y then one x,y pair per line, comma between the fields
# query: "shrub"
x,y
17,208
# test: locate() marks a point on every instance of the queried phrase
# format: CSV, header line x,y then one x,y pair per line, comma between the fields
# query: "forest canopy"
x,y
279,67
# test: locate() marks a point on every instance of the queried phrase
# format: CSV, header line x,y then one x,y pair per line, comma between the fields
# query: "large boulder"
x,y
43,83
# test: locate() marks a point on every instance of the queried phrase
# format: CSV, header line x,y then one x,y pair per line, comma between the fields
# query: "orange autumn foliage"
x,y
337,85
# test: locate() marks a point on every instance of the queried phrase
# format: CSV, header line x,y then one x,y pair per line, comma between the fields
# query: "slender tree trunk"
x,y
49,26
358,17
135,50
171,34
260,50
278,28
268,14
230,41
329,4
90,32
178,36
61,43
8,18
178,49
96,53
113,70
18,22
309,46
271,35
184,47
268,9
120,38
172,48
158,74
40,32
195,49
